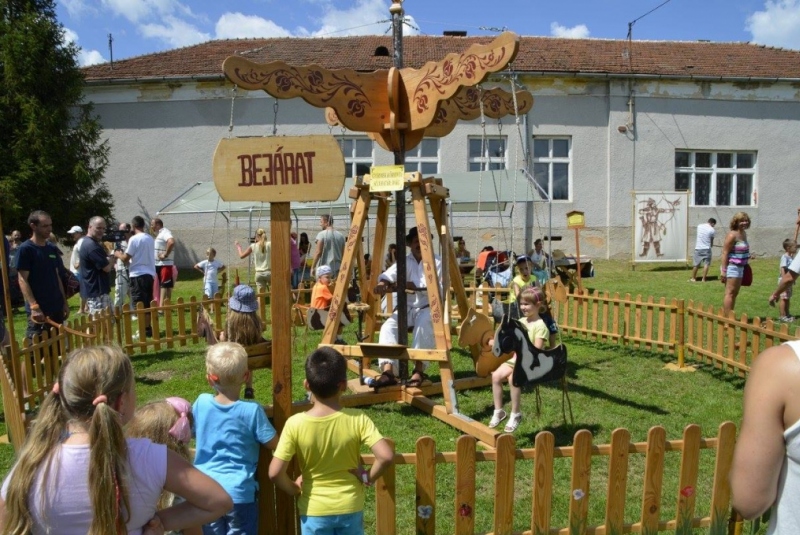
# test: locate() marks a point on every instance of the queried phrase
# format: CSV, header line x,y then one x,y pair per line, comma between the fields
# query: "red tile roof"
x,y
536,54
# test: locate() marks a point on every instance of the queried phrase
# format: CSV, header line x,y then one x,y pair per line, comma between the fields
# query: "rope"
x,y
64,325
483,151
275,117
233,101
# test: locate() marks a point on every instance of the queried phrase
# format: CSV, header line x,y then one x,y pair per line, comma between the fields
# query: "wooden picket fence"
x,y
473,497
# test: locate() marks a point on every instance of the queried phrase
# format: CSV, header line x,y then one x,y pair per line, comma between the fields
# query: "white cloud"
x,y
777,25
69,36
76,8
175,32
90,57
140,10
576,32
237,25
360,19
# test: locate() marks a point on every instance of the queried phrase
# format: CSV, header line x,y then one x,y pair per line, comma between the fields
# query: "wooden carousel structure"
x,y
396,107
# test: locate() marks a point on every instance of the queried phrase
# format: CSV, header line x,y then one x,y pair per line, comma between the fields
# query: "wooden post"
x,y
281,311
578,259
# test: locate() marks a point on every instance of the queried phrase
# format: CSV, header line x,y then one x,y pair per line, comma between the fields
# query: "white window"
x,y
552,169
487,153
358,157
723,178
423,158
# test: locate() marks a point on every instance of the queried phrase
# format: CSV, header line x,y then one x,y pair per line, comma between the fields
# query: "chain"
x,y
233,101
275,117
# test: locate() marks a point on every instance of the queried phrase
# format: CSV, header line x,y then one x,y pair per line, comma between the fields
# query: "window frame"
x,y
714,172
550,160
486,160
418,160
353,160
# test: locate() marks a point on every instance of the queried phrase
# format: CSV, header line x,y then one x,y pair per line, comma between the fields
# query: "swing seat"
x,y
316,318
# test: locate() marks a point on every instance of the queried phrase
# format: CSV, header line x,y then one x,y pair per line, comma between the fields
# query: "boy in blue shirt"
x,y
229,434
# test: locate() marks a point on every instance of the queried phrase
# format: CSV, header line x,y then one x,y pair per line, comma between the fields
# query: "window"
x,y
552,165
357,155
716,178
423,158
487,153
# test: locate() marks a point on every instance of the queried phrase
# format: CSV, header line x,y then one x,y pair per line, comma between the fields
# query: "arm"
x,y
125,257
726,249
198,268
36,313
384,456
787,280
317,254
170,247
205,499
245,253
760,449
278,475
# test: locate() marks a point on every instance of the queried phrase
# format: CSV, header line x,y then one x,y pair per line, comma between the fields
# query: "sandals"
x,y
416,382
387,378
513,422
497,417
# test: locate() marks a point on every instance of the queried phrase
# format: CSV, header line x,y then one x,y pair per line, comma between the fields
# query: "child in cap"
x,y
243,325
321,295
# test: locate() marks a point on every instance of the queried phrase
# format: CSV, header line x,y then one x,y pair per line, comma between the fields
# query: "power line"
x,y
634,21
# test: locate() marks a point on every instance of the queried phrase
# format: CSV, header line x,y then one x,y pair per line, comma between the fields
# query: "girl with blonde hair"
x,y
261,251
243,325
77,471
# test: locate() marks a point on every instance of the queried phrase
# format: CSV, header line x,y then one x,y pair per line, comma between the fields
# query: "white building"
x,y
610,117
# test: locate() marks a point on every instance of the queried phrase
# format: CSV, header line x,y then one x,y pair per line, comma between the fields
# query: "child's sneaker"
x,y
513,422
498,416
787,319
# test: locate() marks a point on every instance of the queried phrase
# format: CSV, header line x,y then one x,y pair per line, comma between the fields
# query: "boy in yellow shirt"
x,y
327,442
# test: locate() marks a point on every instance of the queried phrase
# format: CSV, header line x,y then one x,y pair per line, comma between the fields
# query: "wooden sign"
x,y
387,178
279,169
576,219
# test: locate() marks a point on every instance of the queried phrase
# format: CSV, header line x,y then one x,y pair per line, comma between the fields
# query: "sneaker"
x,y
692,280
498,416
786,319
148,332
513,422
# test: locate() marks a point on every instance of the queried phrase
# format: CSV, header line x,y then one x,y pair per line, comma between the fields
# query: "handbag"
x,y
747,276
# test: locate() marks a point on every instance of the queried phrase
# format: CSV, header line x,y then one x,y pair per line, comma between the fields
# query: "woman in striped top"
x,y
735,255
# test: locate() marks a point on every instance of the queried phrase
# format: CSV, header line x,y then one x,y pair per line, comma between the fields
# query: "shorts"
x,y
349,524
243,518
702,256
787,294
98,304
210,288
263,279
165,279
141,290
734,271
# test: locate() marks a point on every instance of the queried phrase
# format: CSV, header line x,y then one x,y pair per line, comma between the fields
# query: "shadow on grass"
x,y
565,433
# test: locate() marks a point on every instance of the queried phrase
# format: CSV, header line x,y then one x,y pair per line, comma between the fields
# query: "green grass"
x,y
610,387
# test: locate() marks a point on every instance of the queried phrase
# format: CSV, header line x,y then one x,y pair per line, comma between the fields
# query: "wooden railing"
x,y
474,502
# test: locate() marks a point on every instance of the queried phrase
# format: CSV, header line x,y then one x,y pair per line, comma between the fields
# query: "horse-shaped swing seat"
x,y
532,366
258,355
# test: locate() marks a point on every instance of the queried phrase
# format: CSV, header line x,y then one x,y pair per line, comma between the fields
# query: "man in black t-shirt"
x,y
95,264
38,269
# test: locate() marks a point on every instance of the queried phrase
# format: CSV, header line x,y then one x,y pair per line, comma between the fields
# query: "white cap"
x,y
75,229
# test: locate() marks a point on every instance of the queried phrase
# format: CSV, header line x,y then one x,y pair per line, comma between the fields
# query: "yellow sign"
x,y
386,178
576,220
279,169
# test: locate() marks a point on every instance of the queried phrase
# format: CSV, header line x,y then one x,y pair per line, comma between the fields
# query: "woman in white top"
x,y
261,251
766,462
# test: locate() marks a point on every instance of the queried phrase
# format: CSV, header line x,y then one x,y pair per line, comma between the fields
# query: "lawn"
x,y
610,387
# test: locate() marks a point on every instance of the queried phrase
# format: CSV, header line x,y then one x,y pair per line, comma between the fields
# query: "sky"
x,y
145,26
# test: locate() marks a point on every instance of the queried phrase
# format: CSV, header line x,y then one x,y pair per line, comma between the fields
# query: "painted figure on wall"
x,y
653,229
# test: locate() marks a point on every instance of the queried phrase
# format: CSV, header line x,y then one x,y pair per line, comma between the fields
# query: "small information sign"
x,y
386,178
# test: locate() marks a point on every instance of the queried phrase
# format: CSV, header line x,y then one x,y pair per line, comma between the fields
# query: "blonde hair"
x,y
737,218
86,374
154,420
228,361
532,294
243,328
261,240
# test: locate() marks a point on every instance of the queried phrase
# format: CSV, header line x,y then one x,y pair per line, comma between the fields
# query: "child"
x,y
530,300
167,422
790,248
326,441
210,268
321,296
77,472
522,280
243,326
229,433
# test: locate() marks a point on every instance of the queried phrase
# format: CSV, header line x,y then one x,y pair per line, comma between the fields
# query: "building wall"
x,y
163,136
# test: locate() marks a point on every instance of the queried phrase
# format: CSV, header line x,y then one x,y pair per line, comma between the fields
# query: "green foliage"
x,y
53,155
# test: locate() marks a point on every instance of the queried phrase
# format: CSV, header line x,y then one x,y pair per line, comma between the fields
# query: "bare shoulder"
x,y
775,379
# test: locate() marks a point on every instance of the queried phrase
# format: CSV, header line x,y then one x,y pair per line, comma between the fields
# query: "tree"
x,y
51,153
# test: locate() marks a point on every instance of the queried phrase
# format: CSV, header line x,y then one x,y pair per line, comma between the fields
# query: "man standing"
x,y
702,249
38,268
330,246
418,312
164,245
140,257
95,266
76,233
121,282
